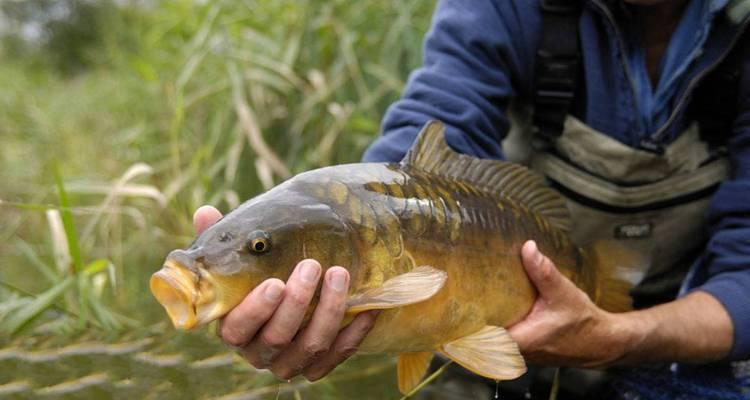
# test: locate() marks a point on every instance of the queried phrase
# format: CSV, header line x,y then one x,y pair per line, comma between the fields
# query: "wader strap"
x,y
556,72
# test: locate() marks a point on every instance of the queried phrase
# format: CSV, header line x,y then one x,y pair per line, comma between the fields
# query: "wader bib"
x,y
654,204
653,201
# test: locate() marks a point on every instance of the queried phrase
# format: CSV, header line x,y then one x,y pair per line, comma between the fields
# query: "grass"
x,y
173,105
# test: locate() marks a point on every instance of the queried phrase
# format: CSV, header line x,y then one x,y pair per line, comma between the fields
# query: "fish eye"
x,y
260,242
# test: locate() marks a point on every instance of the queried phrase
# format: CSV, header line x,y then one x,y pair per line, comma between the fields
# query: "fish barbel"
x,y
433,241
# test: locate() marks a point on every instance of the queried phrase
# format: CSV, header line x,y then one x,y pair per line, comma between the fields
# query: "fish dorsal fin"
x,y
490,352
417,285
432,154
411,368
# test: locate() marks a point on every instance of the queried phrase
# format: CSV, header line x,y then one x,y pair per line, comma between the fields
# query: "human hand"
x,y
266,327
564,327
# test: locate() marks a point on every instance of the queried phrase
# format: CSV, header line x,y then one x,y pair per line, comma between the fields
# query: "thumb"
x,y
204,217
542,272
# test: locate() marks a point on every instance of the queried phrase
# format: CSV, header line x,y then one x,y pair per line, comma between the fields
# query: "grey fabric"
x,y
610,179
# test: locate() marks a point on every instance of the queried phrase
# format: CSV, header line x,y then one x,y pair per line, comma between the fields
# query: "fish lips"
x,y
174,286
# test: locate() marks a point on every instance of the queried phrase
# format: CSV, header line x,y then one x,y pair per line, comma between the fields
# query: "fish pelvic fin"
x,y
490,352
411,369
417,285
618,269
432,154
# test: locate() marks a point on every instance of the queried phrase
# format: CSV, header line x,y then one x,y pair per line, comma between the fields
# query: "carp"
x,y
434,241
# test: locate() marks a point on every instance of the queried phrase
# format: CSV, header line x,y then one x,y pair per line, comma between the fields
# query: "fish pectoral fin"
x,y
411,368
417,285
489,352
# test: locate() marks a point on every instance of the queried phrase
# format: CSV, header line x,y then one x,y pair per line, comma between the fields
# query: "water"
x,y
172,365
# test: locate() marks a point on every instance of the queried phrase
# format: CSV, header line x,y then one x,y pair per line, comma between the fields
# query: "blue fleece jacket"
x,y
479,57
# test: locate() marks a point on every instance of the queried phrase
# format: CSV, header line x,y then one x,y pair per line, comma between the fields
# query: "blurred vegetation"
x,y
147,109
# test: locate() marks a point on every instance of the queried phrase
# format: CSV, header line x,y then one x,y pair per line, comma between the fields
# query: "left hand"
x,y
564,327
268,331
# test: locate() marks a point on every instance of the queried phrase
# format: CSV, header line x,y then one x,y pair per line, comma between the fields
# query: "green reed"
x,y
175,104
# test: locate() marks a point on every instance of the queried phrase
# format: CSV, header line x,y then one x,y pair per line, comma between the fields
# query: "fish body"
x,y
400,219
433,241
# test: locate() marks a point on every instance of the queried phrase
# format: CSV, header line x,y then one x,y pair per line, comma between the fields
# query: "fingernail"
x,y
338,280
310,272
273,292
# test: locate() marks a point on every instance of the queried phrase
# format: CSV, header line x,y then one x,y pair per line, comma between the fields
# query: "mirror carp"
x,y
434,241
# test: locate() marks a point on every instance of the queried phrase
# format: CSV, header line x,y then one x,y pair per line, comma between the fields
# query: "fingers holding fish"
x,y
346,344
204,217
316,338
542,272
242,323
282,327
562,314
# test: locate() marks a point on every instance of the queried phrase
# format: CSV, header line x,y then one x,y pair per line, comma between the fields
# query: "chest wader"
x,y
652,201
653,204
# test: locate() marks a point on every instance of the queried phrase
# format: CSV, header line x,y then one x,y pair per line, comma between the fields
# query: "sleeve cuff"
x,y
732,291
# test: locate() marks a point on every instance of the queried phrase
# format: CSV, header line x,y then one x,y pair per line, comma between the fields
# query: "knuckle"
x,y
299,299
333,307
254,320
347,351
274,340
547,270
365,325
257,364
254,360
314,349
232,336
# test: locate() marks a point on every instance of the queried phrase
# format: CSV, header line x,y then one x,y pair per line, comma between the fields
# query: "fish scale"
x,y
495,217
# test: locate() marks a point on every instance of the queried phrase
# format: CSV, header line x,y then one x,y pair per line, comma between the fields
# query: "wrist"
x,y
629,332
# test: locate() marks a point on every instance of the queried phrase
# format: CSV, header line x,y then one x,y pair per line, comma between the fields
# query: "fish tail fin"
x,y
617,270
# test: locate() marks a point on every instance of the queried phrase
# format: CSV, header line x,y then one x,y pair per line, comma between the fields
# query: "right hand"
x,y
266,326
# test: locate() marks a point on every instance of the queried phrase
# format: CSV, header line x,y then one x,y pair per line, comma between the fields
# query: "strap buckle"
x,y
652,146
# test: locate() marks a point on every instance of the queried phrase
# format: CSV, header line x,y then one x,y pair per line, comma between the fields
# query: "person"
x,y
630,155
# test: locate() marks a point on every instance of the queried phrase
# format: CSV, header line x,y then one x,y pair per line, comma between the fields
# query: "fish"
x,y
433,241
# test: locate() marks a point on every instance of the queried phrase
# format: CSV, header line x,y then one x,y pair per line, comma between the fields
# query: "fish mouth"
x,y
194,299
174,286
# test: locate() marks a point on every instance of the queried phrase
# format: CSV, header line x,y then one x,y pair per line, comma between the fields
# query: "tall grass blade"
x,y
67,219
427,381
250,126
37,262
44,301
60,245
120,188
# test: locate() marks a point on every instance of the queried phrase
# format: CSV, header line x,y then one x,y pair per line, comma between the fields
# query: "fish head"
x,y
263,238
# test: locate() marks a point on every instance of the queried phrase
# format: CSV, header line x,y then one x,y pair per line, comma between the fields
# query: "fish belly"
x,y
483,288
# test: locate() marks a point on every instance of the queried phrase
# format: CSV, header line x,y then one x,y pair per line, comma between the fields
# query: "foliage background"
x,y
145,110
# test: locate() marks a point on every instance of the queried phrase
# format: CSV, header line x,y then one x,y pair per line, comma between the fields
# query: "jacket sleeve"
x,y
478,55
727,257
